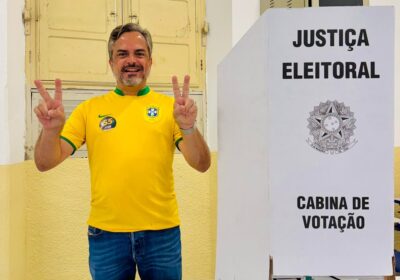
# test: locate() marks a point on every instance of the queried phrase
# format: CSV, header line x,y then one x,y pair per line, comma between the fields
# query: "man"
x,y
130,133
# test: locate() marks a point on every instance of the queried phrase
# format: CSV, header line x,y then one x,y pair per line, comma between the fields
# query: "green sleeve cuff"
x,y
177,143
69,142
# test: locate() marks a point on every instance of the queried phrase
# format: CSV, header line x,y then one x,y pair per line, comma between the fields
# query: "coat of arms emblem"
x,y
331,127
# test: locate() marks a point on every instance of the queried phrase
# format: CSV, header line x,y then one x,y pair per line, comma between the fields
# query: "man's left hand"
x,y
185,109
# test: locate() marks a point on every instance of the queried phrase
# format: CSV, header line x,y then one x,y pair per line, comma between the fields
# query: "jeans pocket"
x,y
94,232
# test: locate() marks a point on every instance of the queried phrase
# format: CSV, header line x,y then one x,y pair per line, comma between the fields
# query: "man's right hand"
x,y
50,150
50,111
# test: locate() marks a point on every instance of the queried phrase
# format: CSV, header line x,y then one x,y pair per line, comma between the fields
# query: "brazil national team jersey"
x,y
131,142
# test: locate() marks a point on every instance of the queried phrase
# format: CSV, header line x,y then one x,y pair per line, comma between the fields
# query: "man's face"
x,y
131,61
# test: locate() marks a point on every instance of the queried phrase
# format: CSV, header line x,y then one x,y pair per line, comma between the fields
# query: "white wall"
x,y
219,43
244,14
12,82
229,21
16,80
4,135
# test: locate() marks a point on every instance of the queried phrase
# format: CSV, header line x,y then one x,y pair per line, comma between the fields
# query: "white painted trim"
x,y
12,82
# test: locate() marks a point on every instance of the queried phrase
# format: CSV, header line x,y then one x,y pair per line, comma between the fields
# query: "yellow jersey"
x,y
131,142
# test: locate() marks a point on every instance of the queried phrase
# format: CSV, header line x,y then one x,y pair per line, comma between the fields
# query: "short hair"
x,y
129,27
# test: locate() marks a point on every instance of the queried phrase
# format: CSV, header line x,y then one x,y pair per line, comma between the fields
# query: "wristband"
x,y
189,130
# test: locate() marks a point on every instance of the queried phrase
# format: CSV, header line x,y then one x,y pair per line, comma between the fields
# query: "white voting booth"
x,y
305,109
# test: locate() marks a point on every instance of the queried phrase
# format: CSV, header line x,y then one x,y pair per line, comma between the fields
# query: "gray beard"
x,y
131,81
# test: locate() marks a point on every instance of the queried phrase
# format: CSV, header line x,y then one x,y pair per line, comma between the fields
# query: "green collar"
x,y
141,92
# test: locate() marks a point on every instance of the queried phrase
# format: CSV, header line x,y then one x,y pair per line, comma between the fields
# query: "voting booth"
x,y
305,141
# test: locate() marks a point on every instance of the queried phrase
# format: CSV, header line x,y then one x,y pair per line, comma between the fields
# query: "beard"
x,y
131,81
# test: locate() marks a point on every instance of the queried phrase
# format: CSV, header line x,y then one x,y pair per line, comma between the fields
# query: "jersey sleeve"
x,y
74,131
177,135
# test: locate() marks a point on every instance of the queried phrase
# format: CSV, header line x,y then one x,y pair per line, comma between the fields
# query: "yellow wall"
x,y
12,222
397,193
57,205
4,223
397,173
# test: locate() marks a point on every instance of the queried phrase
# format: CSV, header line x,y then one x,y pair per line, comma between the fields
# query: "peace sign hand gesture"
x,y
50,111
185,109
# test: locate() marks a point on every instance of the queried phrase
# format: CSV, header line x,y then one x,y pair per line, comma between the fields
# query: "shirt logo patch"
x,y
107,123
152,113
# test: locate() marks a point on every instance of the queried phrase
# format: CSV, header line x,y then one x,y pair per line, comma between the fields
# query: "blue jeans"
x,y
116,255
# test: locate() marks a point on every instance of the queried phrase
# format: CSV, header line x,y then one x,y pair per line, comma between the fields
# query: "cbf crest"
x,y
152,113
332,126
